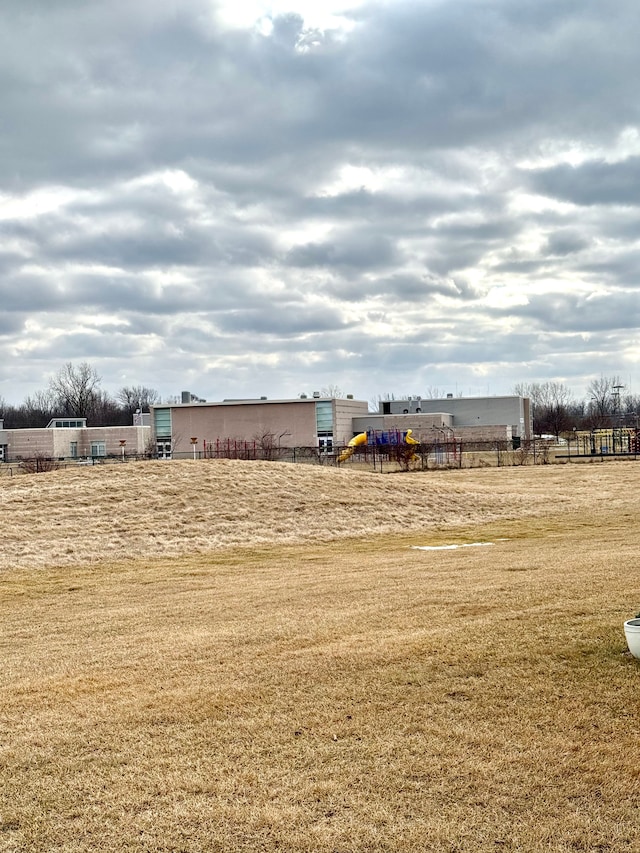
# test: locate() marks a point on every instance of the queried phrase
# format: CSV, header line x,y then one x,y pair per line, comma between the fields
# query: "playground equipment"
x,y
349,450
410,440
384,438
611,441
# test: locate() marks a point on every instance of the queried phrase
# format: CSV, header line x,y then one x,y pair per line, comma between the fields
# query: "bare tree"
x,y
630,410
405,456
523,453
36,410
105,411
38,463
374,402
76,389
604,398
551,406
558,401
268,444
332,391
137,397
433,393
526,389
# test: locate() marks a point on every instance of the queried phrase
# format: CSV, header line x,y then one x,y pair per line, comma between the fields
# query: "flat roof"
x,y
253,401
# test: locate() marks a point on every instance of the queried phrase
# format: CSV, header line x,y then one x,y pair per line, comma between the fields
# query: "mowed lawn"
x,y
327,693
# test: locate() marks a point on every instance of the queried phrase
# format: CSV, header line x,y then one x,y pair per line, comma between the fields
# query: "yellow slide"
x,y
409,440
361,438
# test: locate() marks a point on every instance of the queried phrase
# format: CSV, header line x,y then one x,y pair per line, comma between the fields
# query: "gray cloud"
x,y
591,183
350,251
184,201
566,242
602,313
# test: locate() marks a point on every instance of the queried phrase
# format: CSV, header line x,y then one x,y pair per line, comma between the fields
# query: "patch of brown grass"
x,y
353,695
154,509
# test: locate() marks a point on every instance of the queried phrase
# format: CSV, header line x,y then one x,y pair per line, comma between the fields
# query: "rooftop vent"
x,y
316,395
188,397
449,396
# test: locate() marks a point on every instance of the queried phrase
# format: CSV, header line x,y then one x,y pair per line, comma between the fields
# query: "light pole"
x,y
194,442
123,442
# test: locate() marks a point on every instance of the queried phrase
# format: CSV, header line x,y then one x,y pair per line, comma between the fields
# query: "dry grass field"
x,y
229,656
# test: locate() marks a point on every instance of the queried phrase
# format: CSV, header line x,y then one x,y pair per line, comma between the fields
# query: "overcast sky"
x,y
245,199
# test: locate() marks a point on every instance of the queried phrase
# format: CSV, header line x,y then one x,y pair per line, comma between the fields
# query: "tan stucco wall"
x,y
423,426
137,438
344,413
293,424
25,443
56,443
499,432
433,427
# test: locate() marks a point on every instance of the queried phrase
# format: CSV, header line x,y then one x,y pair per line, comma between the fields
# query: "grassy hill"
x,y
153,509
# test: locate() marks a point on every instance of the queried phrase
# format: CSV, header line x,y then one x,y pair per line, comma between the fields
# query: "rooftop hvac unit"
x,y
316,395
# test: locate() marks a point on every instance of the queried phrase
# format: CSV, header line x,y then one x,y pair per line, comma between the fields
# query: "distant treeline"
x,y
75,391
556,411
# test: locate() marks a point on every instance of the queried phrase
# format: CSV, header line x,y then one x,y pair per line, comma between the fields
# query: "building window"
x,y
163,449
67,424
324,417
162,421
73,449
325,443
98,448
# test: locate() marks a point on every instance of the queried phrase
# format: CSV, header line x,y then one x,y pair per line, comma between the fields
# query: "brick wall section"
x,y
500,432
424,426
56,443
344,414
429,428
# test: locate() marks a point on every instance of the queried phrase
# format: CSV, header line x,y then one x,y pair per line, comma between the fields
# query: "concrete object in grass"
x,y
632,634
